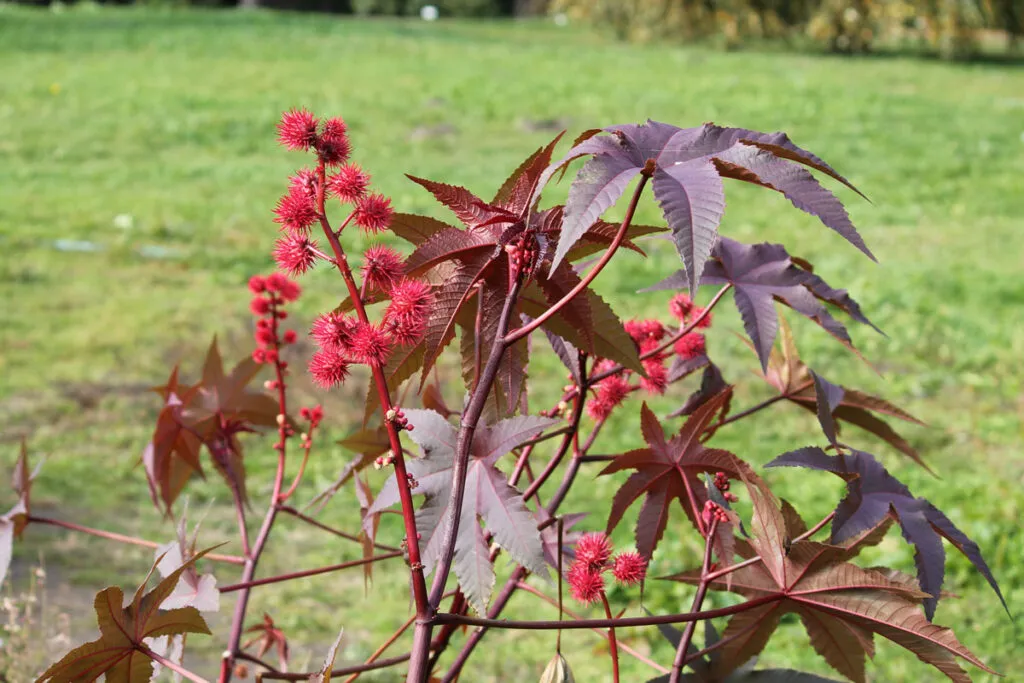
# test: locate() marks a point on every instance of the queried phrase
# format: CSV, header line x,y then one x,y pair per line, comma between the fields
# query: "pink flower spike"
x,y
295,254
382,267
629,568
333,332
593,550
370,344
297,129
349,184
373,213
585,585
296,211
328,369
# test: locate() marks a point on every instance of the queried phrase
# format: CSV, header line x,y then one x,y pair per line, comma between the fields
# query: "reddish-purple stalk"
x,y
419,589
122,538
253,557
331,530
309,572
601,632
624,622
698,601
585,281
755,408
176,668
613,644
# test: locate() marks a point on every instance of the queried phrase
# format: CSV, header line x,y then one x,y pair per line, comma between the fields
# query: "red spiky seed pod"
x,y
295,254
704,322
608,394
585,585
629,568
297,130
333,332
373,213
690,346
349,184
333,145
657,377
370,344
593,550
328,368
680,306
382,267
295,211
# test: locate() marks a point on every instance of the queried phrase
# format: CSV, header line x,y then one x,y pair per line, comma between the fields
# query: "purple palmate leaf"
x,y
829,396
873,494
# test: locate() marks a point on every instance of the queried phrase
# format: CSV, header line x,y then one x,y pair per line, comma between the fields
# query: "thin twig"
x,y
308,572
122,538
331,530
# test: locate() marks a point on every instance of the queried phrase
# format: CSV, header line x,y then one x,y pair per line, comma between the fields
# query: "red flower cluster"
x,y
713,510
593,559
270,294
722,484
690,346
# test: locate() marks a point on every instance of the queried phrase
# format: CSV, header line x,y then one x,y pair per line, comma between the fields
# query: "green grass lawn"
x,y
138,170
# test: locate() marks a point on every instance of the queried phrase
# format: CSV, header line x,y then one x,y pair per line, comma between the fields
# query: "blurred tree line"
x,y
952,28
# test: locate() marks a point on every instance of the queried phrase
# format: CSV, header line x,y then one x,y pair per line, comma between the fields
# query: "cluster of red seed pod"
x,y
344,339
593,559
649,335
270,294
722,484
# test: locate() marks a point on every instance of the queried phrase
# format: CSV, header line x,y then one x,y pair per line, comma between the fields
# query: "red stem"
x,y
625,622
419,587
622,646
331,530
698,600
122,538
613,644
253,558
177,668
518,334
308,572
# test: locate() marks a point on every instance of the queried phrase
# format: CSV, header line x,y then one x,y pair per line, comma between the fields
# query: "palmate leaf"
x,y
669,470
705,669
488,496
119,652
688,165
872,495
840,604
793,379
268,636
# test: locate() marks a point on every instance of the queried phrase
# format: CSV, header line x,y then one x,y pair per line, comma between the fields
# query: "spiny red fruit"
x,y
305,180
410,297
370,344
328,368
680,306
657,377
349,184
629,568
295,211
585,584
593,550
382,267
297,129
690,346
295,254
373,213
645,330
333,332
333,146
609,393
704,322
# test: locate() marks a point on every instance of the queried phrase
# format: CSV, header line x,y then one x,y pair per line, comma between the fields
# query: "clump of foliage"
x,y
511,272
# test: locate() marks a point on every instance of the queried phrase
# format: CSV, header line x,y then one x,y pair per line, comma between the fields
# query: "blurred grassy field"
x,y
138,170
